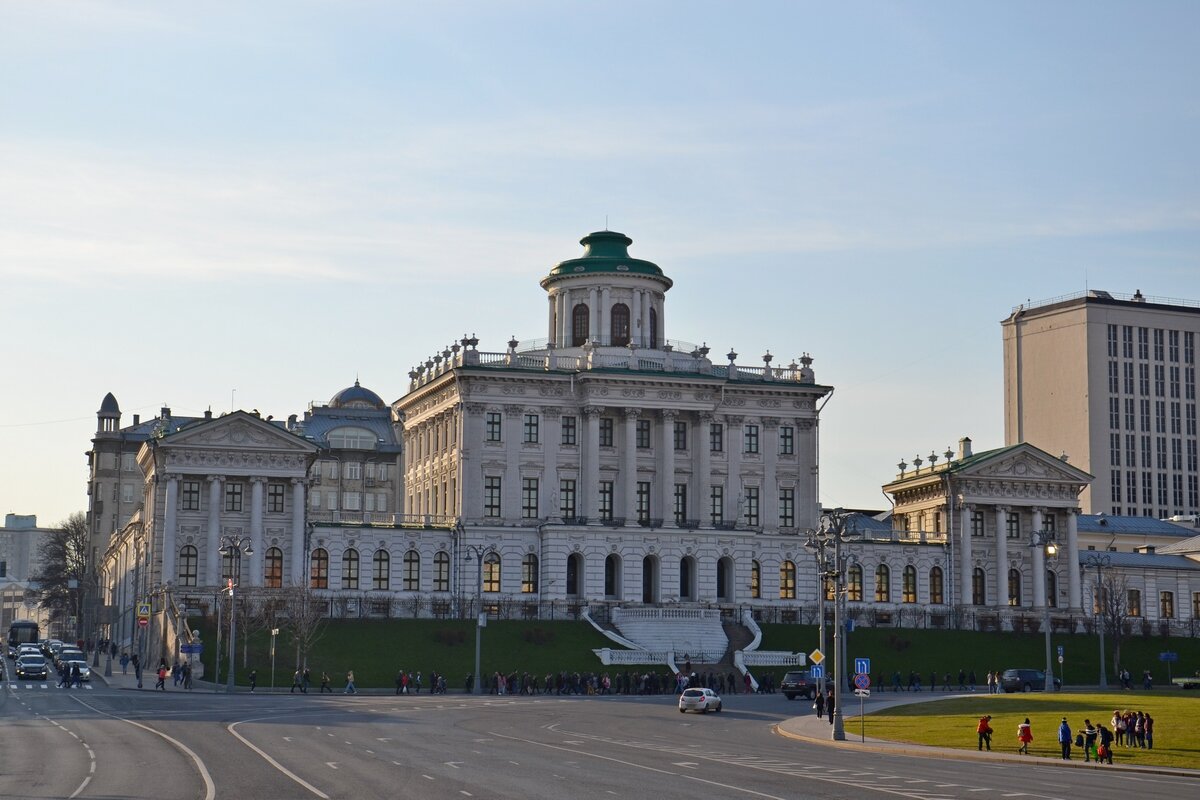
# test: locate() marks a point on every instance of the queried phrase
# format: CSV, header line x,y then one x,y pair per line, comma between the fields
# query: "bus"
x,y
22,631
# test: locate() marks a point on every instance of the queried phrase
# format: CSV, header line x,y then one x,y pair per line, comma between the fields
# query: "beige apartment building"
x,y
1109,380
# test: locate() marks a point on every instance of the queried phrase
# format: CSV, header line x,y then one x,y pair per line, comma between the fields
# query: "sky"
x,y
250,205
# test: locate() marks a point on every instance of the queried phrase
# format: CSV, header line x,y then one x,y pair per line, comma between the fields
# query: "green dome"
x,y
606,252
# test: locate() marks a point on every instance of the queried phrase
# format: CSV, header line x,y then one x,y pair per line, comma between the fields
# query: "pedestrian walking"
x,y
124,663
933,680
819,704
253,679
1024,736
162,677
984,729
295,682
1104,751
350,683
1064,739
1089,740
325,683
305,680
829,705
962,680
76,677
971,680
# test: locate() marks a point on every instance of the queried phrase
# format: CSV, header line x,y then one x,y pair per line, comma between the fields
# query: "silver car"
x,y
85,672
702,700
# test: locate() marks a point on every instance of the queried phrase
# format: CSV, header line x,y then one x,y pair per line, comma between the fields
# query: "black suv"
x,y
1025,680
798,683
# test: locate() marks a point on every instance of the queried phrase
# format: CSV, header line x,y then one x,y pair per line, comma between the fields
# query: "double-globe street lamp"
x,y
818,547
477,553
834,530
234,548
1100,561
1045,541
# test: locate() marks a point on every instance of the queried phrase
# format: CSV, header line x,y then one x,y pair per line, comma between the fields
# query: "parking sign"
x,y
862,666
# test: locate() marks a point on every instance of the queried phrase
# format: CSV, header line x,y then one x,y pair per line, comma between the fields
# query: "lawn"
x,y
377,649
952,722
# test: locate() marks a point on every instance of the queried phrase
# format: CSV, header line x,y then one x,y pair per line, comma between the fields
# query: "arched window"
x,y
188,564
883,584
854,583
580,319
491,573
937,586
318,571
650,579
909,590
653,328
1052,589
620,325
725,579
380,569
612,577
1014,587
574,575
687,578
350,569
441,571
529,574
787,581
978,587
273,568
412,571
755,580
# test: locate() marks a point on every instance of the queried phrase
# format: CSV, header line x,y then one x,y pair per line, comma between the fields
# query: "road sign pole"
x,y
862,717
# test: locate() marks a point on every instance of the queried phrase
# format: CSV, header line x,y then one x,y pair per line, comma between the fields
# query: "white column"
x,y
593,315
589,472
808,505
646,318
1073,579
635,316
256,532
511,485
964,554
702,477
667,471
1039,564
605,324
212,560
564,317
770,488
662,321
551,439
299,553
733,455
170,523
552,323
1001,556
629,467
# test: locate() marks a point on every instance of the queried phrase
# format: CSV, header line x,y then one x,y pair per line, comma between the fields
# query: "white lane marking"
x,y
688,764
426,777
230,727
210,789
331,764
383,738
372,752
454,764
287,738
464,791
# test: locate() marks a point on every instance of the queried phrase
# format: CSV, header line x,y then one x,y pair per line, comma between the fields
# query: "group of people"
x,y
1096,740
966,681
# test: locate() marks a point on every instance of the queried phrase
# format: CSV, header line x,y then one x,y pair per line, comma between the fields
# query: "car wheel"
x,y
681,711
789,696
1028,688
719,707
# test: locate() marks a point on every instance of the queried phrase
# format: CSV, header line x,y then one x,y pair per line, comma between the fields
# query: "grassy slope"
x,y
951,723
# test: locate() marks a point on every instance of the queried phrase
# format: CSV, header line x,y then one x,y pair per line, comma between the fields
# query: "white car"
x,y
702,700
85,672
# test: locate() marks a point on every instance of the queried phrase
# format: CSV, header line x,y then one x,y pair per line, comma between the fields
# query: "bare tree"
x,y
63,577
305,617
1112,604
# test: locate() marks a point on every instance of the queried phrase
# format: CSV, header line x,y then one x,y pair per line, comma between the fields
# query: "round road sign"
x,y
862,681
143,622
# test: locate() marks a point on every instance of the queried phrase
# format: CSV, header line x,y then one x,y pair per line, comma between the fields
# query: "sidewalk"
x,y
809,728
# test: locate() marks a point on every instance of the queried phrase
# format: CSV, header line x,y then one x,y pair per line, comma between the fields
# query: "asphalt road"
x,y
118,743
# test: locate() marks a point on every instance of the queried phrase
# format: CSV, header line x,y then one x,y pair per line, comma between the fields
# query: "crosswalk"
x,y
33,686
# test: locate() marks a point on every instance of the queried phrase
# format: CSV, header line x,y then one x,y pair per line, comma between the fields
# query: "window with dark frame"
x,y
681,435
188,565
275,492
606,431
908,590
787,440
569,430
381,566
716,504
755,580
716,437
750,439
190,496
606,500
787,507
566,497
233,497
491,573
642,434
412,571
531,429
318,572
883,584
751,498
273,568
643,501
491,496
787,581
350,569
978,587
529,574
680,503
441,571
937,586
529,498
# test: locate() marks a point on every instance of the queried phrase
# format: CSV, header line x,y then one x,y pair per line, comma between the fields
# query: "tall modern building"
x,y
1110,381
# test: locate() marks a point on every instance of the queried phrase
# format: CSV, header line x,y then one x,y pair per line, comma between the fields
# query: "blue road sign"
x,y
862,666
1060,651
816,671
1168,656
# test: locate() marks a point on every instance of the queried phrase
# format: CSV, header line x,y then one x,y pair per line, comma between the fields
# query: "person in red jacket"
x,y
1024,736
985,731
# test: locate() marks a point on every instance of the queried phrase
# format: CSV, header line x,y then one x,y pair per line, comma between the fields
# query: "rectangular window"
x,y
315,499
1160,416
1131,488
716,504
1127,341
569,430
441,572
787,440
1144,380
354,471
1012,525
1115,477
643,501
233,497
751,515
1114,449
787,507
1176,419
1162,493
351,501
530,435
1114,377
977,523
1130,415
1158,344
529,576
1114,413
1147,489
681,504
606,500
750,439
1112,341
642,434
566,497
493,425
275,498
1134,601
1128,377
190,496
1191,419
1143,343
606,431
1160,380
1166,605
1161,452
1173,346
681,435
491,496
529,498
1145,415
1173,382
716,437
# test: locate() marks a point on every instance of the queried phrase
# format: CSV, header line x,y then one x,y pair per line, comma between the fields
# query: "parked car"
x,y
1025,680
32,666
702,700
798,683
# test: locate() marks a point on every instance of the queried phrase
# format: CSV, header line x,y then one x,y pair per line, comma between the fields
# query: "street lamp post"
x,y
1100,561
234,547
817,547
1045,540
833,531
274,633
478,553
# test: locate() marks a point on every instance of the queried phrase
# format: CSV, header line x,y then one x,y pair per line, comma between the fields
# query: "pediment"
x,y
238,431
1027,463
